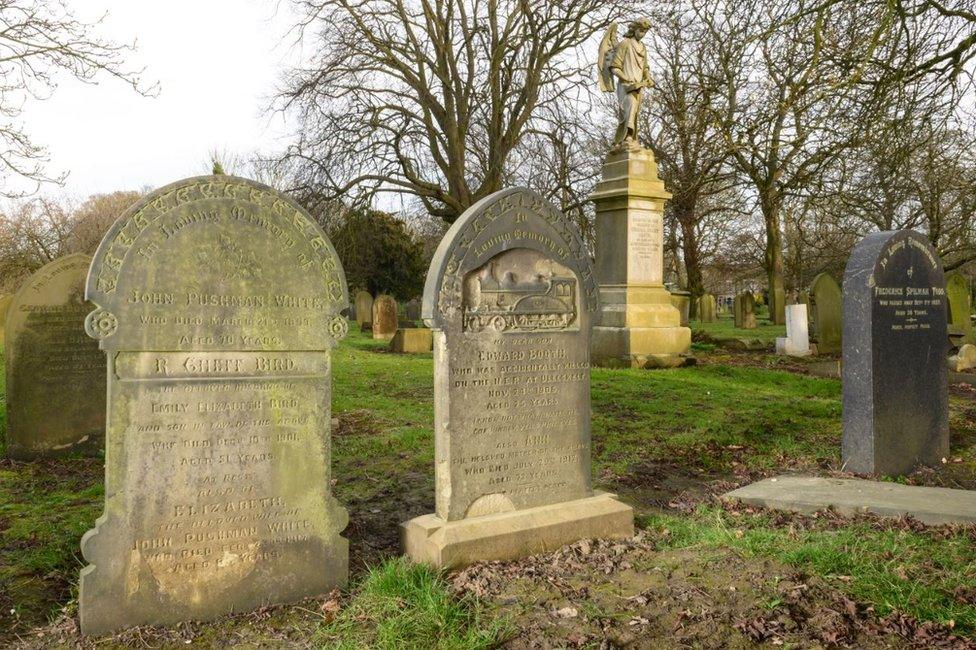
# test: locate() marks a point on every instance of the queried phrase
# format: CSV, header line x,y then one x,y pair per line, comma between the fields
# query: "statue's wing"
x,y
607,46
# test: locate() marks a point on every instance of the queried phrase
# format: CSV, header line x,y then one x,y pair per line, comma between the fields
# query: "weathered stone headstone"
x,y
682,302
707,308
896,413
745,311
413,309
412,340
385,320
964,360
511,296
827,304
55,373
217,303
364,310
960,309
796,343
4,307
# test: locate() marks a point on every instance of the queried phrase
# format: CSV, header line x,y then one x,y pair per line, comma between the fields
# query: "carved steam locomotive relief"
x,y
520,291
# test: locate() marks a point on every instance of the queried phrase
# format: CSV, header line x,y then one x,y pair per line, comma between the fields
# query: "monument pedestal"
x,y
515,534
638,325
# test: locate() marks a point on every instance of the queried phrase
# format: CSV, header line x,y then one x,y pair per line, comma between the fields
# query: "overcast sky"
x,y
217,62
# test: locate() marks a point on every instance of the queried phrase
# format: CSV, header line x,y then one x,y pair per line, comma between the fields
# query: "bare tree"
x,y
430,98
40,39
688,146
33,233
92,219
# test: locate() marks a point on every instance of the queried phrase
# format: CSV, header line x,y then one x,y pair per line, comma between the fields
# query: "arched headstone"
x,y
364,309
707,308
385,321
896,410
217,303
510,297
745,311
4,306
960,309
55,373
827,304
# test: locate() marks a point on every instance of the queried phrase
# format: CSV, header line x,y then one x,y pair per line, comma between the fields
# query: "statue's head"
x,y
638,28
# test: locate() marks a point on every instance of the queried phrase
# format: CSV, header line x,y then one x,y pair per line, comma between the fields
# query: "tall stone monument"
x,y
510,296
637,325
960,309
55,373
827,304
217,301
896,410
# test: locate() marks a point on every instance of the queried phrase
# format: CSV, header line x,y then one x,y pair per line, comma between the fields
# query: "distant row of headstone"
x,y
824,308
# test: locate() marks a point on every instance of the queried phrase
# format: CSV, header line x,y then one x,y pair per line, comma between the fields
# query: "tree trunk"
x,y
774,258
685,214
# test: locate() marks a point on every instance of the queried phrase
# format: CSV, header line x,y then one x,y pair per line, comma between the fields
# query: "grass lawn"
x,y
666,441
724,328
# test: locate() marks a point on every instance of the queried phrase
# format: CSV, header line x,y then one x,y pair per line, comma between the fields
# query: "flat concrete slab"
x,y
808,494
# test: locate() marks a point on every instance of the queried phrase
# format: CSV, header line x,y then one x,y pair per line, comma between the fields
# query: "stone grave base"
x,y
641,347
515,534
807,494
784,346
412,340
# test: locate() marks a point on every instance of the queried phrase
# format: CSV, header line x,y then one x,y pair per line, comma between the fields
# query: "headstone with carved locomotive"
x,y
385,319
896,411
55,373
218,301
511,296
364,310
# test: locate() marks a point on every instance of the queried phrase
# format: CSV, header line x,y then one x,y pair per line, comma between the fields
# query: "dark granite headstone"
x,y
895,346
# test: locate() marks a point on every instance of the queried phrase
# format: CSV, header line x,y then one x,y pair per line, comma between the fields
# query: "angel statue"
x,y
623,67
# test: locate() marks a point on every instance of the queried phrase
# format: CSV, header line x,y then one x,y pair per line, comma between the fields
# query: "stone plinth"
x,y
807,494
637,325
515,534
412,340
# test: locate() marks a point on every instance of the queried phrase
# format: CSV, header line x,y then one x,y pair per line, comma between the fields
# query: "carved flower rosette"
x,y
101,324
338,327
